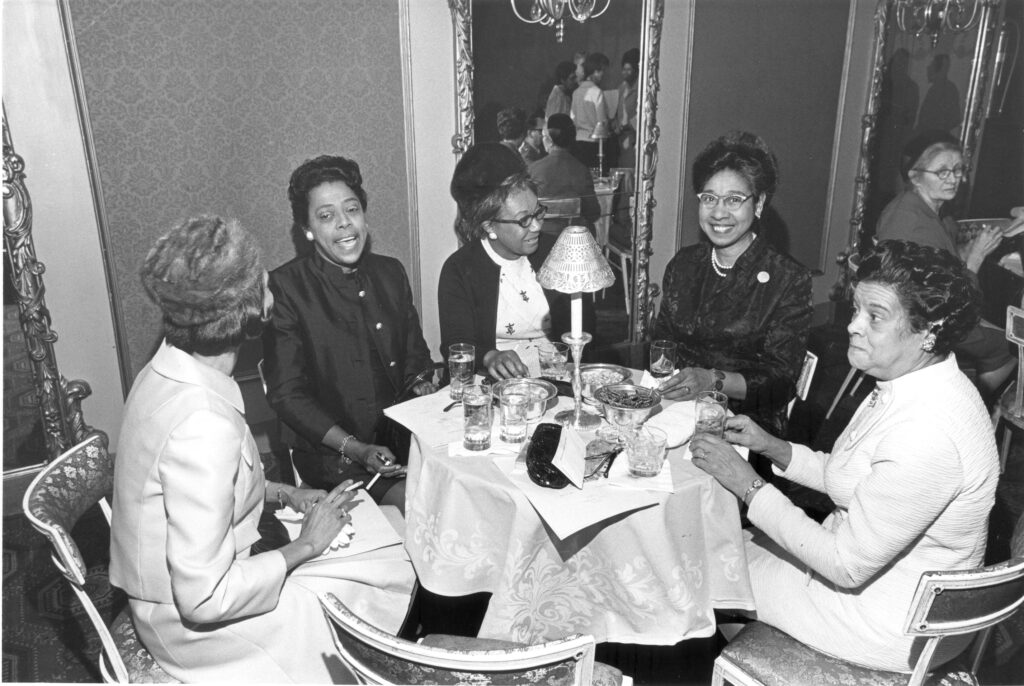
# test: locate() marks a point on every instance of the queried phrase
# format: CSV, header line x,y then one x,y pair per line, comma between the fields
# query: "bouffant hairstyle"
x,y
486,175
511,123
562,130
632,56
744,153
934,287
312,173
206,278
922,149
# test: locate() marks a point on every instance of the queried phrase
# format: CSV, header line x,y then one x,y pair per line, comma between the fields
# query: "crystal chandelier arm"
x,y
540,12
958,8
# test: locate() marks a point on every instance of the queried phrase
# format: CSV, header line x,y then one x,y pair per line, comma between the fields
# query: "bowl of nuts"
x,y
627,405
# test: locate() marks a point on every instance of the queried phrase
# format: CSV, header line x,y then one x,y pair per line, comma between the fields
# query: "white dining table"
x,y
652,576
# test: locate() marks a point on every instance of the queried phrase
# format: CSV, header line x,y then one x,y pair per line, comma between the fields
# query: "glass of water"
x,y
663,359
514,404
461,363
645,451
476,417
711,412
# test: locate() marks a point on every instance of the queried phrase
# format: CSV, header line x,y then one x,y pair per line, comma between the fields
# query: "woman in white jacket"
x,y
913,476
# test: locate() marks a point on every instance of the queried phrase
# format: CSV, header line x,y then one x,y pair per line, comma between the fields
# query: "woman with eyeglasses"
x,y
739,309
488,293
932,166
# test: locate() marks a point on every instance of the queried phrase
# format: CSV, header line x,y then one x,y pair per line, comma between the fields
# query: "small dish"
x,y
542,392
593,376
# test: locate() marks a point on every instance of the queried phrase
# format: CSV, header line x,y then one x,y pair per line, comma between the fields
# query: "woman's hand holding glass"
x,y
719,459
687,384
505,364
742,430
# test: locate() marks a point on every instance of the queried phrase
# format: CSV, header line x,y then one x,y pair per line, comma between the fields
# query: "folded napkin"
x,y
676,419
619,476
570,456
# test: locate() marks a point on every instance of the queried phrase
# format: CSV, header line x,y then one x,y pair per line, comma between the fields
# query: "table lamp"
x,y
600,133
576,266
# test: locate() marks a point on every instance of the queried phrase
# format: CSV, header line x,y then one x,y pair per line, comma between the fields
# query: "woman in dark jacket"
x,y
345,337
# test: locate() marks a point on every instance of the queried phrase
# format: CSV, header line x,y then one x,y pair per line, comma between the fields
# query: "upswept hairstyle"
x,y
312,173
744,153
934,287
205,276
491,204
484,178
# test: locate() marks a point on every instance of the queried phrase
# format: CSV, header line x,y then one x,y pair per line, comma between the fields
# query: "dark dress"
x,y
753,321
338,350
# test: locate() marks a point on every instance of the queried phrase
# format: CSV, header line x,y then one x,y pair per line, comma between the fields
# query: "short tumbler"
x,y
645,451
711,411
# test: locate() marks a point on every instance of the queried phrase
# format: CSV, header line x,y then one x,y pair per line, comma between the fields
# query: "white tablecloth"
x,y
650,576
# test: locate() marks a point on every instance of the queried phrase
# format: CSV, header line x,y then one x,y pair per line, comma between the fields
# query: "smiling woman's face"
x,y
336,223
725,227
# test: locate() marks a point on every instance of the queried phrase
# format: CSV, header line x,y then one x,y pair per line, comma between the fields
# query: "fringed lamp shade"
x,y
576,264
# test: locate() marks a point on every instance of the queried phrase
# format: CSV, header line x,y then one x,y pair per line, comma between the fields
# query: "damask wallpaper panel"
x,y
206,106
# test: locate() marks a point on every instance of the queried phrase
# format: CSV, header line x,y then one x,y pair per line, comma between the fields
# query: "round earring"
x,y
493,236
309,235
929,344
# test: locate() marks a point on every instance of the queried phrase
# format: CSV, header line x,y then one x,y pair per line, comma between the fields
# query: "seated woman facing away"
x,y
913,475
189,490
344,338
933,168
739,310
488,293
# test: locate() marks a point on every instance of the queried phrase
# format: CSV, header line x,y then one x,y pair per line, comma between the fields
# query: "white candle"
x,y
577,315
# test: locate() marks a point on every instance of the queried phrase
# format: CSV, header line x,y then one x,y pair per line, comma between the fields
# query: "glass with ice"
x,y
645,451
476,417
461,363
711,412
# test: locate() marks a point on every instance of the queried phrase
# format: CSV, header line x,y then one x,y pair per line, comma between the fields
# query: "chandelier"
x,y
932,16
553,12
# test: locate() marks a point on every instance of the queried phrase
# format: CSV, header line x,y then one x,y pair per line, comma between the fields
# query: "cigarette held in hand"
x,y
354,486
372,481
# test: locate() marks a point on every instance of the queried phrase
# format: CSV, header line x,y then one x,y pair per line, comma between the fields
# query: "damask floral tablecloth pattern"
x,y
651,576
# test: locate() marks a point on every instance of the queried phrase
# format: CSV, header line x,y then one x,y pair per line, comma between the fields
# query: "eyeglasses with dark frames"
x,y
960,171
527,220
733,202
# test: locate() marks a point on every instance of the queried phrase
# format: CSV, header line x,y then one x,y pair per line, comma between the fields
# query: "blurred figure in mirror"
x,y
532,147
561,175
739,310
589,108
189,489
488,293
560,100
624,123
933,168
913,476
578,58
512,127
345,338
940,109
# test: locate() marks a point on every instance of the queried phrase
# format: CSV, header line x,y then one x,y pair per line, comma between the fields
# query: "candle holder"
x,y
577,418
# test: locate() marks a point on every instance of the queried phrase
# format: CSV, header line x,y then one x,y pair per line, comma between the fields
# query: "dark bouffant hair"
x,y
632,56
511,123
561,130
206,277
484,178
744,153
312,173
934,287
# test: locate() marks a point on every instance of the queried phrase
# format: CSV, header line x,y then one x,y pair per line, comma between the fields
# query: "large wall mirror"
x,y
502,61
932,69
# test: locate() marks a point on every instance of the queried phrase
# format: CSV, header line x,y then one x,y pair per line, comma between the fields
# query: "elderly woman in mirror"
x,y
189,486
913,476
932,165
738,309
488,293
345,337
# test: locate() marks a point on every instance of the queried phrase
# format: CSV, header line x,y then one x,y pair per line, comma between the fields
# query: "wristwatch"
x,y
754,485
719,379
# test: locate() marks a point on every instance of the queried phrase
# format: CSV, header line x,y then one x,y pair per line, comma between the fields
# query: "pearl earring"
x,y
309,235
493,236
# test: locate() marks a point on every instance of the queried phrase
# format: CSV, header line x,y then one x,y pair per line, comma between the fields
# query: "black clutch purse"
x,y
539,455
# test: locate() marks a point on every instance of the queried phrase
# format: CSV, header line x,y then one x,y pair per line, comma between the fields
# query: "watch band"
x,y
719,379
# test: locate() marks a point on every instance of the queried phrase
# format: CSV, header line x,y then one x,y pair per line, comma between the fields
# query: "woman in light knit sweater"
x,y
913,476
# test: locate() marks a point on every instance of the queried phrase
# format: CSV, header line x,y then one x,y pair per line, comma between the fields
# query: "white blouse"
x,y
523,314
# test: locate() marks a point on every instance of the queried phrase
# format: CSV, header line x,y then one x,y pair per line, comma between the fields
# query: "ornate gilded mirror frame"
x,y
60,400
647,138
974,100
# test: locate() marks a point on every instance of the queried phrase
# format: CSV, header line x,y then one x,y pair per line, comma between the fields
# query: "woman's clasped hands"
x,y
717,457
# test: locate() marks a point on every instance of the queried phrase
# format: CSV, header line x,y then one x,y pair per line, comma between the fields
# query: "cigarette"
x,y
357,484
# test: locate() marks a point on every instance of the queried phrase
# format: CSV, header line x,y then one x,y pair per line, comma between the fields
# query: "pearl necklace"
x,y
719,268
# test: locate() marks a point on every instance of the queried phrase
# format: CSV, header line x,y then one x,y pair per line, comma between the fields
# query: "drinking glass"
x,y
553,360
476,417
513,405
711,412
461,363
663,358
645,452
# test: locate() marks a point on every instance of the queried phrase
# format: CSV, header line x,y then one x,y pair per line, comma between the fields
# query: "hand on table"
x,y
505,364
424,388
720,460
325,520
686,384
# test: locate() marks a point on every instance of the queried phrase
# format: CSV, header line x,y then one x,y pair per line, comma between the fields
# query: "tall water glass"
x,y
711,411
514,404
461,363
476,417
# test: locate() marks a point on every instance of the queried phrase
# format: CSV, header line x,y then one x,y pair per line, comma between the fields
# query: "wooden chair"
x,y
61,493
376,657
945,604
295,472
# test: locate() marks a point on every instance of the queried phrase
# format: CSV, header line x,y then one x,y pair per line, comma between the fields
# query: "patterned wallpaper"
x,y
206,106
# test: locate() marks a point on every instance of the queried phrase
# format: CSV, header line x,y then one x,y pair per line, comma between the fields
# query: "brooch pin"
x,y
763,277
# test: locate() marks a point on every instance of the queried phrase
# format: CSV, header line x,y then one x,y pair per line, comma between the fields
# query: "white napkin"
x,y
676,419
619,476
570,456
287,516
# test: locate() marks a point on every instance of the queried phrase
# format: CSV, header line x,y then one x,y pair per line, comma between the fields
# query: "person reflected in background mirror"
x,y
578,58
345,337
940,109
624,123
560,100
189,489
739,309
913,476
532,147
933,167
589,108
561,175
512,127
488,293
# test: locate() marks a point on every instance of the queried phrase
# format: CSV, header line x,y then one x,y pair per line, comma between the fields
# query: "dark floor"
x,y
42,620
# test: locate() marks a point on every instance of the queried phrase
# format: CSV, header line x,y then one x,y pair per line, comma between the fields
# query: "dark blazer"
x,y
560,175
340,346
467,299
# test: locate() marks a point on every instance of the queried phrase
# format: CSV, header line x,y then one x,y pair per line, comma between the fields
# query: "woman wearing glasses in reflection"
x,y
739,309
932,165
488,293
